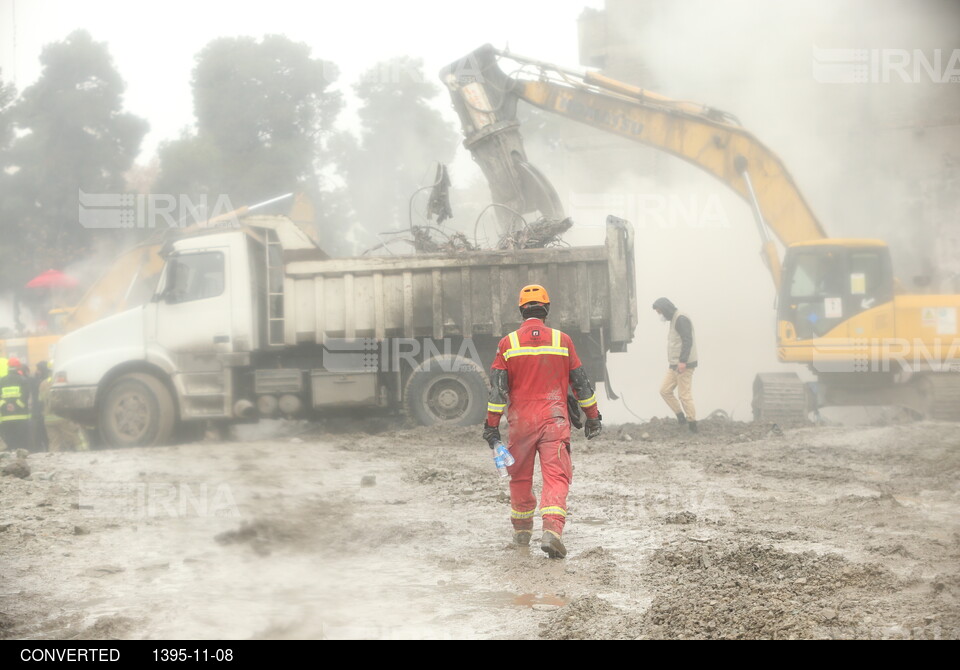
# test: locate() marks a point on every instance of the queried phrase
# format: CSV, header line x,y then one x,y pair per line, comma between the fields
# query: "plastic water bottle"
x,y
508,458
502,458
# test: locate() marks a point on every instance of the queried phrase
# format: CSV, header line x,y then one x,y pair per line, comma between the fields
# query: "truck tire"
x,y
449,390
137,411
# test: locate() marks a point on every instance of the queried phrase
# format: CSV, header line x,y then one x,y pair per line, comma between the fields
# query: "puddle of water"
x,y
939,506
508,598
594,521
531,599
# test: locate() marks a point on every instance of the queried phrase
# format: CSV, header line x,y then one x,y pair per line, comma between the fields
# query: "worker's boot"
x,y
551,545
692,425
522,537
681,418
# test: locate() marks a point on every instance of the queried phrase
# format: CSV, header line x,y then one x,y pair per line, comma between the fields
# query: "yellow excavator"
x,y
840,309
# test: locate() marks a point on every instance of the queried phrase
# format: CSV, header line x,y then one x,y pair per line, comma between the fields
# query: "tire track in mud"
x,y
739,532
788,581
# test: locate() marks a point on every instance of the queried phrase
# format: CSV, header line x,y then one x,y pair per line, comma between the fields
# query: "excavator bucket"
x,y
484,99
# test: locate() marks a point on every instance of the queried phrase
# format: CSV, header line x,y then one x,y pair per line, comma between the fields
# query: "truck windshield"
x,y
194,277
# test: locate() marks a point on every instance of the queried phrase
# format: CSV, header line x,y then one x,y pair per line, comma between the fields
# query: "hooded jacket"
x,y
681,341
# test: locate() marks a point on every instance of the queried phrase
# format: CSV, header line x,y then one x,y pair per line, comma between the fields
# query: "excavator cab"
x,y
828,282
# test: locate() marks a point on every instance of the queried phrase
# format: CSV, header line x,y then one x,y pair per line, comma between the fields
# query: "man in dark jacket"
x,y
37,406
682,359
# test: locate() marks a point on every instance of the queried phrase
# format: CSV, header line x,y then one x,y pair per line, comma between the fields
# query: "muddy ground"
x,y
744,531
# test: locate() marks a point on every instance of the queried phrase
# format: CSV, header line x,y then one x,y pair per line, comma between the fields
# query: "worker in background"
x,y
62,434
38,408
15,408
534,367
682,359
32,386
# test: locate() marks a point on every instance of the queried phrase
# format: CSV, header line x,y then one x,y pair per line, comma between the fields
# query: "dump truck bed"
x,y
464,295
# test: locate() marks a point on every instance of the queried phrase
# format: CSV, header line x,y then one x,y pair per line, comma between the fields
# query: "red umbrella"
x,y
52,279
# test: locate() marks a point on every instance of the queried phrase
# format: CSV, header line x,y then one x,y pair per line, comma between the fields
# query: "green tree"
x,y
7,96
263,110
71,135
401,138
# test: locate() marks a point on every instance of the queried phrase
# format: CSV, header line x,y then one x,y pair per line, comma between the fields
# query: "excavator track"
x,y
942,393
780,397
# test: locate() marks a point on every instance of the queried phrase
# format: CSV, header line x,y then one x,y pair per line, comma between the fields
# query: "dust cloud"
x,y
874,159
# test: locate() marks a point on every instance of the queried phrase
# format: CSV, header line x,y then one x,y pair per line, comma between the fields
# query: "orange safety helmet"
x,y
13,362
534,293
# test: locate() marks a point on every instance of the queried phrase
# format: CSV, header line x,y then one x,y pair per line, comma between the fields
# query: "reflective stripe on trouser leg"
x,y
523,503
557,469
666,391
522,520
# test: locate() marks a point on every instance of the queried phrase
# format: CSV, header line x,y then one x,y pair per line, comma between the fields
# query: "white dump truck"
x,y
256,321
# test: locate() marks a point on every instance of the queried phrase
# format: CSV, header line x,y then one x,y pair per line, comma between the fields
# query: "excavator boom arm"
x,y
713,146
701,136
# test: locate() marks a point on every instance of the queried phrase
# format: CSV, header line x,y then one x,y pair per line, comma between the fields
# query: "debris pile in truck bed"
x,y
541,233
424,242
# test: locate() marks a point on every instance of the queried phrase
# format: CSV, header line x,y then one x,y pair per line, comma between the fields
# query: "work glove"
x,y
573,409
593,427
491,434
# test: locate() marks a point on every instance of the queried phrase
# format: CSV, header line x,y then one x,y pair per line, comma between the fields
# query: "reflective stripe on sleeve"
x,y
592,400
494,407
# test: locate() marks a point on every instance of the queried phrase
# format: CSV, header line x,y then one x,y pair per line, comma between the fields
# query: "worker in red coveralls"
x,y
534,368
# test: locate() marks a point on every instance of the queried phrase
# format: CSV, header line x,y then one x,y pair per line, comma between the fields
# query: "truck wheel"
x,y
137,411
447,390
